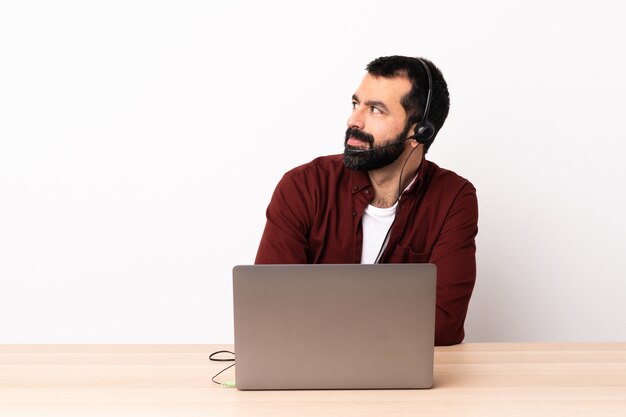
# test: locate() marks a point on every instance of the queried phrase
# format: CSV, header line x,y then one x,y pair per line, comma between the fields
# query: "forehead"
x,y
388,90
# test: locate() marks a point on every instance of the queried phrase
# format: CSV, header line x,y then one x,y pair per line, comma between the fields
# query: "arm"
x,y
285,238
455,257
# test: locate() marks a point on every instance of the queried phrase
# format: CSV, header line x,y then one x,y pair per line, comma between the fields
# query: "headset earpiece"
x,y
424,132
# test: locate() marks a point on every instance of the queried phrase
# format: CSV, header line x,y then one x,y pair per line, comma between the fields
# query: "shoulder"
x,y
445,189
311,184
322,172
323,164
445,179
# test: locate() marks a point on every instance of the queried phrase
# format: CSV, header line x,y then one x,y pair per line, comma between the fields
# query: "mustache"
x,y
359,134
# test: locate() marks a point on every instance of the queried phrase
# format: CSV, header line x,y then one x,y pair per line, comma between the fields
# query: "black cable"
x,y
222,359
212,358
380,252
402,170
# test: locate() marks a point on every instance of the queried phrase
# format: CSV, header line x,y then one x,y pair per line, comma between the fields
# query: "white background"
x,y
140,142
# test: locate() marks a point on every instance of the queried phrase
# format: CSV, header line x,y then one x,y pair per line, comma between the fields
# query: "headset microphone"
x,y
354,151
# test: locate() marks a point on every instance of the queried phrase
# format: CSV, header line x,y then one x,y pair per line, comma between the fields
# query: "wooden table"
x,y
493,379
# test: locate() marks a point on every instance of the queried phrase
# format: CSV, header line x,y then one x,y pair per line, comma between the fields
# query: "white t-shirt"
x,y
376,223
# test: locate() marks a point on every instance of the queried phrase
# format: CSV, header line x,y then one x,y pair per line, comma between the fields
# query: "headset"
x,y
425,130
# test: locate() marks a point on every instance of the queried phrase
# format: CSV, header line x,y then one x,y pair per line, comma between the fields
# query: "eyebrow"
x,y
374,103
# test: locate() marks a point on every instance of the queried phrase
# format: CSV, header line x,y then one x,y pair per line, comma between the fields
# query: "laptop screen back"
x,y
334,326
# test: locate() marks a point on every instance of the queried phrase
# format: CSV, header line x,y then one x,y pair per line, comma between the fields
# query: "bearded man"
x,y
382,201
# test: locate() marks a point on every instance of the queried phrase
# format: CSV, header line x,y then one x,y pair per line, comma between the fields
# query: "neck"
x,y
386,180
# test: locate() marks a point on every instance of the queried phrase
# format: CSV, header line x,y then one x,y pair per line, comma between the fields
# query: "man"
x,y
382,201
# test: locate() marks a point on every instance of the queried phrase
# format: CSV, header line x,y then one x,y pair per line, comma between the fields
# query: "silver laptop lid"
x,y
334,326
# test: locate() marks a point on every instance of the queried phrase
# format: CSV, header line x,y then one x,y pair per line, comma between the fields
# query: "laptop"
x,y
334,326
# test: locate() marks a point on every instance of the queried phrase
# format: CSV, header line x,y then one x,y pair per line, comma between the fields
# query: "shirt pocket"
x,y
405,255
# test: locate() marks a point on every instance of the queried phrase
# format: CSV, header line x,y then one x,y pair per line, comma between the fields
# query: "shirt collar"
x,y
359,180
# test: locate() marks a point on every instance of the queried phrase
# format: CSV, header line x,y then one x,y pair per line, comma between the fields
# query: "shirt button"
x,y
355,188
367,191
354,214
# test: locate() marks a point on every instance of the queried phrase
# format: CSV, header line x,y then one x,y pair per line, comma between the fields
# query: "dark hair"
x,y
415,101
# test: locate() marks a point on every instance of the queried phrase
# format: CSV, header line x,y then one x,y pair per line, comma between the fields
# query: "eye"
x,y
354,104
375,110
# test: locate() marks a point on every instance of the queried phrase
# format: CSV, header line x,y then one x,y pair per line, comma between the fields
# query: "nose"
x,y
356,120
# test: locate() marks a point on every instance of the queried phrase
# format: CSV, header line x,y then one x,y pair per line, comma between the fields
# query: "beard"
x,y
374,157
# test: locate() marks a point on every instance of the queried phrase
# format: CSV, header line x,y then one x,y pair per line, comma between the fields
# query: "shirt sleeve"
x,y
285,237
455,257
